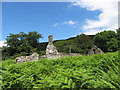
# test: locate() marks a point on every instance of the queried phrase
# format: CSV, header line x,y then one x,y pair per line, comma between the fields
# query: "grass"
x,y
80,72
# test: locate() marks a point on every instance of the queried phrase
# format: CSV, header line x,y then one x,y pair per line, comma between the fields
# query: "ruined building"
x,y
51,49
52,52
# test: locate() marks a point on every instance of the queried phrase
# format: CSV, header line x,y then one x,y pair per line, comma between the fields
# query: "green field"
x,y
81,72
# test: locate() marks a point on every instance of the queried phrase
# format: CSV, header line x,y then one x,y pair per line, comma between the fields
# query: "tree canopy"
x,y
107,41
81,44
118,34
22,43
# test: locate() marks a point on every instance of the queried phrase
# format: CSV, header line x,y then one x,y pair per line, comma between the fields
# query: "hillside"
x,y
43,45
97,71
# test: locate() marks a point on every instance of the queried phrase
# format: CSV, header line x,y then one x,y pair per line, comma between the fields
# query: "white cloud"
x,y
70,22
2,43
55,25
107,19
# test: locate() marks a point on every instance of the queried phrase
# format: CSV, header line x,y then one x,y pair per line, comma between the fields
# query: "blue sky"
x,y
48,18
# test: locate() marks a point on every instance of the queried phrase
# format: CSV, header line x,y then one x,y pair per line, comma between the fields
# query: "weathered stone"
x,y
21,59
60,55
75,54
95,50
50,38
51,49
91,52
52,56
33,57
52,53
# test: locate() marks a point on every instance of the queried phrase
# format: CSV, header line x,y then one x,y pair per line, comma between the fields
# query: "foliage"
x,y
42,53
63,46
21,43
83,43
81,72
80,44
107,41
118,34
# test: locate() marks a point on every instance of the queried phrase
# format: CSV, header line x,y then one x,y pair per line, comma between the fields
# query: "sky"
x,y
60,19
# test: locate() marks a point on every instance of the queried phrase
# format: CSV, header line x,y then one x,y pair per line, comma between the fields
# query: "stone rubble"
x,y
33,57
95,50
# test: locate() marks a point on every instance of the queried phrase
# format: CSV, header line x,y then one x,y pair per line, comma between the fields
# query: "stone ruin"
x,y
51,49
95,50
33,57
52,52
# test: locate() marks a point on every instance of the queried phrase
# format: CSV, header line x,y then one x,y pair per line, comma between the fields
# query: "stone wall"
x,y
33,57
59,55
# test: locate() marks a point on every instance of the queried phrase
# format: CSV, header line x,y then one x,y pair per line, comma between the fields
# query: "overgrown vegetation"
x,y
25,44
97,71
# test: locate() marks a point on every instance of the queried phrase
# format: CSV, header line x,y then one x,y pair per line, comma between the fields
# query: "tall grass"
x,y
80,72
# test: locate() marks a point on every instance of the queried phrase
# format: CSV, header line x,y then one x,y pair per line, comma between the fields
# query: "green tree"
x,y
80,44
22,44
118,34
12,43
83,43
33,39
107,41
63,46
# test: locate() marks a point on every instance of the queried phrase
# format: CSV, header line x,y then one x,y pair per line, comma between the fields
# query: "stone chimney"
x,y
51,49
50,38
